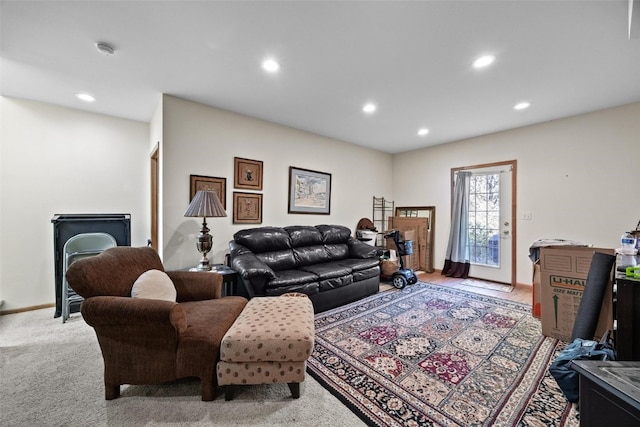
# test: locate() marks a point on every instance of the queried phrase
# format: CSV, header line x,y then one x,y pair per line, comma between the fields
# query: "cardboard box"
x,y
535,294
422,259
563,275
411,261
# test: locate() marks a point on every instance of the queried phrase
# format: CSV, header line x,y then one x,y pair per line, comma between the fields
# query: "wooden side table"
x,y
229,278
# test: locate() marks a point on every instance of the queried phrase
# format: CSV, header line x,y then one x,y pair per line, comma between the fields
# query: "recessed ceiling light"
x,y
423,132
270,65
85,97
369,108
484,61
521,106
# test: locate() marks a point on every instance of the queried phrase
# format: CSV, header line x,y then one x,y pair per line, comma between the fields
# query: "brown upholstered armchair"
x,y
149,341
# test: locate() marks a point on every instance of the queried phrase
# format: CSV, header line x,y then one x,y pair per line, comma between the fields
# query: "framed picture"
x,y
309,191
209,183
247,208
247,174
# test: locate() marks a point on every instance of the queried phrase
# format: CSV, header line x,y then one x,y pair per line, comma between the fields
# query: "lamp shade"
x,y
205,204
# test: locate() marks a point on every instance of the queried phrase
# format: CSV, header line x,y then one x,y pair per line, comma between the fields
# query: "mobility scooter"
x,y
403,276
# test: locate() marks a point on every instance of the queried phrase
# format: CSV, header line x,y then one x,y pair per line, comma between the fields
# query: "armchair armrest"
x,y
196,285
357,249
149,314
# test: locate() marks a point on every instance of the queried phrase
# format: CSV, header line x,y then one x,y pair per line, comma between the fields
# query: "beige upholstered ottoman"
x,y
269,342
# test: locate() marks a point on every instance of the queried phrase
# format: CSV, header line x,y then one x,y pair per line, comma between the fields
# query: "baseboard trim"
x,y
23,309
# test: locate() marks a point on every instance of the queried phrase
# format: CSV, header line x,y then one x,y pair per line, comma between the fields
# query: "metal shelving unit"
x,y
382,209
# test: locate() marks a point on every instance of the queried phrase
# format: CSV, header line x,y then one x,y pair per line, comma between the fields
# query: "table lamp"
x,y
205,204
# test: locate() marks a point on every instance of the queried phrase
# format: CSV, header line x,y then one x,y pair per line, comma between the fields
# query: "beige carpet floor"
x,y
51,375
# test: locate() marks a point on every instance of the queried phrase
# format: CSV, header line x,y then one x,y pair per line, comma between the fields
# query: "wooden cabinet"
x,y
609,393
627,314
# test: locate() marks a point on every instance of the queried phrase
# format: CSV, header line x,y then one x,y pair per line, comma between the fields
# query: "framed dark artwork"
x,y
247,208
309,191
247,174
209,183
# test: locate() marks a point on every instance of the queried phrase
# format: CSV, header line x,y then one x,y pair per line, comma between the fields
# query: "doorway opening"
x,y
155,158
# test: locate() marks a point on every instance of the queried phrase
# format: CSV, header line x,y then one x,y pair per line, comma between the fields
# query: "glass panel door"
x,y
490,216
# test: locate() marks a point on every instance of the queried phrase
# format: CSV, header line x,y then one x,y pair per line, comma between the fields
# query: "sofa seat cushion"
x,y
336,282
292,281
357,264
306,288
292,277
366,274
327,270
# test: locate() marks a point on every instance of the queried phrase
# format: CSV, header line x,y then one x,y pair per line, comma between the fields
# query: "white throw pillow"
x,y
154,284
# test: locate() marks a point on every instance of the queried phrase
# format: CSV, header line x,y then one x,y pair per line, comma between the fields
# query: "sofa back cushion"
x,y
308,255
263,239
304,235
334,233
278,260
296,246
337,251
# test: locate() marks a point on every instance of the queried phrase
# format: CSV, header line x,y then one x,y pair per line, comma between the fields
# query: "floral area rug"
x,y
428,355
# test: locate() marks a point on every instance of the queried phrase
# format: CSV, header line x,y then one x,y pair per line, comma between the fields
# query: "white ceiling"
x,y
413,59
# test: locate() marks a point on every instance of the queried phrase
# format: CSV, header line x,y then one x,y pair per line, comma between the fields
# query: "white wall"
x,y
578,176
57,160
201,140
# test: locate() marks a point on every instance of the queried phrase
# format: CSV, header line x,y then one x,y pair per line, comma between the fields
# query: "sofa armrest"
x,y
196,285
254,274
250,267
149,314
357,249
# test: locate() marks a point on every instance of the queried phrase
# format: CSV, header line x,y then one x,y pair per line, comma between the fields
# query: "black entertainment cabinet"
x,y
609,393
627,314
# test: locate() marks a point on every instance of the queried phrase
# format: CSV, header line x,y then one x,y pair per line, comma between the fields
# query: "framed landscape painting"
x,y
309,191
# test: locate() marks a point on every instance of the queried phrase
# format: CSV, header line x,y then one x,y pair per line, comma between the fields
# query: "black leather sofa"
x,y
325,262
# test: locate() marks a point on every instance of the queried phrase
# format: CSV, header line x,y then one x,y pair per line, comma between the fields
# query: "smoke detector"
x,y
105,48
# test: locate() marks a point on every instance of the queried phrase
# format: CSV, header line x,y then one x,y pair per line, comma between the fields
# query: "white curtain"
x,y
456,262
